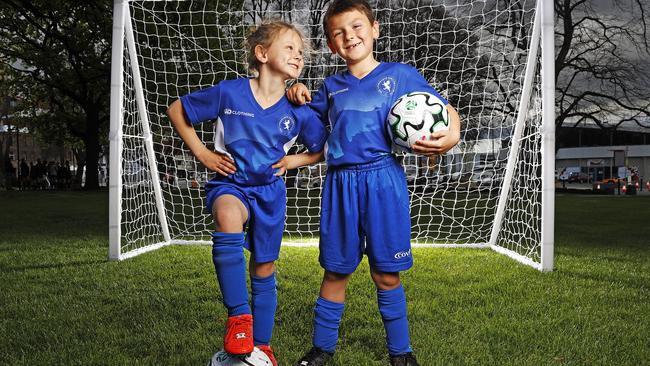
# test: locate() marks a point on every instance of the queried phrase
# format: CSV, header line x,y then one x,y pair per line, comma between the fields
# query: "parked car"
x,y
189,179
487,179
579,177
608,185
309,177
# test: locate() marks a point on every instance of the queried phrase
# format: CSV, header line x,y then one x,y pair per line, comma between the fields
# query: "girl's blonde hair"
x,y
264,34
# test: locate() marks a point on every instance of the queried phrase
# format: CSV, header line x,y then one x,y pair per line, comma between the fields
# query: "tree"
x,y
60,49
601,62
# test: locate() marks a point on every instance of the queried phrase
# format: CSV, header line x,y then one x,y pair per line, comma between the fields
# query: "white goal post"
x,y
493,60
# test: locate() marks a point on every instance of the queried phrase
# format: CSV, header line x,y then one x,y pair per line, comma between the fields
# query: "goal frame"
x,y
542,41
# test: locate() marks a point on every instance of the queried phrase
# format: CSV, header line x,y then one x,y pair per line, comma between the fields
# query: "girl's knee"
x,y
228,221
229,214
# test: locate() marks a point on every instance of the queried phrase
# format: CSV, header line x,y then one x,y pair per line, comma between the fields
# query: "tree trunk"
x,y
81,163
4,155
92,148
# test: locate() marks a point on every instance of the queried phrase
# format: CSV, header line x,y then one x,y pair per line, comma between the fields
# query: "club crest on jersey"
x,y
286,125
386,86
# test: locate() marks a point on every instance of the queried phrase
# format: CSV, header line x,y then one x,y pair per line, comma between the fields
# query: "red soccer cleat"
x,y
239,335
269,352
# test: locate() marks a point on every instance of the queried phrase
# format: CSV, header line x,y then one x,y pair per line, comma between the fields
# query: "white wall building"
x,y
599,161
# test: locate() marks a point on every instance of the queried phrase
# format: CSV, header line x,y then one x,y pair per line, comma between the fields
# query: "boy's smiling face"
x,y
352,36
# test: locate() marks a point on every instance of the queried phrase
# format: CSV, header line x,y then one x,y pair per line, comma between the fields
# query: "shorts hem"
x,y
227,188
268,258
338,268
397,267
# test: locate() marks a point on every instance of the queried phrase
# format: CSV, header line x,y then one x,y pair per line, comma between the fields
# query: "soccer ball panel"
x,y
415,116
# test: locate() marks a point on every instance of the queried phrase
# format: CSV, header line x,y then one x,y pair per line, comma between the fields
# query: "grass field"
x,y
63,303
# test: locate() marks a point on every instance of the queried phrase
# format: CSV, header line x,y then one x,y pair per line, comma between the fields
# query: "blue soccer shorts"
x,y
266,206
365,210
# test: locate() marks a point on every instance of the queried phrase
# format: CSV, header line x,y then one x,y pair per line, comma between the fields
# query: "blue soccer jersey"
x,y
356,110
255,138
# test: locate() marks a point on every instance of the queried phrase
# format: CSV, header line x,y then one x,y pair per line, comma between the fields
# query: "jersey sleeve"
x,y
414,81
320,104
202,105
312,131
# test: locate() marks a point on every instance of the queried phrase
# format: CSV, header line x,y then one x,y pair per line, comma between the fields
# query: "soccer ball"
x,y
415,116
257,358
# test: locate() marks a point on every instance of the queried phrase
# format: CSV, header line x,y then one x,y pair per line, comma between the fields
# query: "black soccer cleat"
x,y
315,357
406,359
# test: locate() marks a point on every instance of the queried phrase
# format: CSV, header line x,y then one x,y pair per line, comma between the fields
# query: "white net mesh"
x,y
473,52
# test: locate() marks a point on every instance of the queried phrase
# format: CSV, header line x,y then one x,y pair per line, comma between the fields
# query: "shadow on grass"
x,y
606,279
71,264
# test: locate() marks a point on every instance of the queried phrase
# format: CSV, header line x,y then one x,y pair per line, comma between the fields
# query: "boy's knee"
x,y
335,277
386,280
333,286
262,270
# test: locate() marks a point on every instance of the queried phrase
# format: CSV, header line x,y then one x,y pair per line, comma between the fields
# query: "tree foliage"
x,y
59,55
601,64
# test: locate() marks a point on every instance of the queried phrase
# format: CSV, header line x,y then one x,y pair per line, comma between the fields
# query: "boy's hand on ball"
x,y
438,143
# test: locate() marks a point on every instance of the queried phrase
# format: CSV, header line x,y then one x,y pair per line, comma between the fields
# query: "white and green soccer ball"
x,y
256,358
415,116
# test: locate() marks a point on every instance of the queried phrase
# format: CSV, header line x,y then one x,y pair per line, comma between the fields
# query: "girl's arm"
x,y
297,160
214,161
441,141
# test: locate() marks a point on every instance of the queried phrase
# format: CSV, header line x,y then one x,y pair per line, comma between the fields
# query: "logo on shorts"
x,y
400,255
386,86
286,125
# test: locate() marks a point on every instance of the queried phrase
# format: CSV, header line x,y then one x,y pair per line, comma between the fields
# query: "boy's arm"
x,y
297,160
214,161
298,94
442,141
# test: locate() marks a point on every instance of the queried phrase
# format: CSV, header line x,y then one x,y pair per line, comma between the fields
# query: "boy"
x,y
364,179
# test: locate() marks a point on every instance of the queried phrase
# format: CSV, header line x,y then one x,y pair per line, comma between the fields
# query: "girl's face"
x,y
285,54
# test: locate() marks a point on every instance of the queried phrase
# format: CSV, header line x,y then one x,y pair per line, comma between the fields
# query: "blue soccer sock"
x,y
230,266
327,317
265,301
392,306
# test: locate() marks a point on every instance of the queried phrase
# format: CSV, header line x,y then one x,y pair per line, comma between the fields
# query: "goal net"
x,y
493,190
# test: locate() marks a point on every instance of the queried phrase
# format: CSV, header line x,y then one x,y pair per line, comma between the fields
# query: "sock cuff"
x,y
219,238
391,296
263,283
331,305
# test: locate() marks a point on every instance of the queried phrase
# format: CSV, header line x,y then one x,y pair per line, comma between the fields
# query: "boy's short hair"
x,y
342,6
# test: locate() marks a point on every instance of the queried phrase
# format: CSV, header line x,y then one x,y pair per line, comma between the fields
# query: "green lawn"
x,y
63,303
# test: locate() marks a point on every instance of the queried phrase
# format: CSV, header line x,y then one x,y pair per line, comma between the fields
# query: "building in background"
x,y
605,153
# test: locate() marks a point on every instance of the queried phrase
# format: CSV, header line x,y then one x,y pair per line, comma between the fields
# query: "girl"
x,y
255,126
